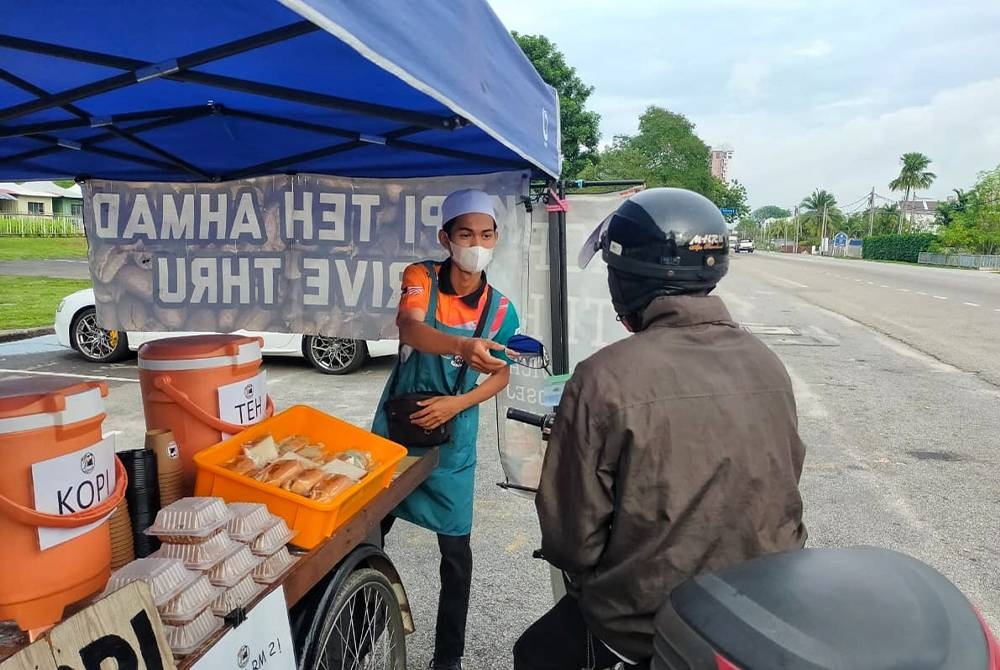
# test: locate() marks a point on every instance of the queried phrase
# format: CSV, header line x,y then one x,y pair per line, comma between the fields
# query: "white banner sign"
x,y
73,483
309,254
244,402
592,325
264,640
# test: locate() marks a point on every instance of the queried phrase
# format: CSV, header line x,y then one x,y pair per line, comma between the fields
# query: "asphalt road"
x,y
61,268
902,445
952,315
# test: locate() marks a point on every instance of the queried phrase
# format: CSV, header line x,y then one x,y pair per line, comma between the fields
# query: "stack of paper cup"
x,y
122,547
168,464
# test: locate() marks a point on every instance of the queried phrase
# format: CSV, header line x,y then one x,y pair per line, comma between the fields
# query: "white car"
x,y
76,327
745,245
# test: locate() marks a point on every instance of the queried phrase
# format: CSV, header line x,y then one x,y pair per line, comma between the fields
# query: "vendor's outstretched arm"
x,y
422,337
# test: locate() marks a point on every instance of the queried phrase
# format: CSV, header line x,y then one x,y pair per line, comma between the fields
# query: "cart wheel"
x,y
363,626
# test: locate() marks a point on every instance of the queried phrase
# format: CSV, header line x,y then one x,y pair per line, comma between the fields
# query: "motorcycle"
x,y
853,608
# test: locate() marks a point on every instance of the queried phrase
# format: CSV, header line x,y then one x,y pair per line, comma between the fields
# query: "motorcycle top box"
x,y
860,608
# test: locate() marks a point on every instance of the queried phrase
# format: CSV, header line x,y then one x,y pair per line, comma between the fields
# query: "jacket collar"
x,y
446,287
686,310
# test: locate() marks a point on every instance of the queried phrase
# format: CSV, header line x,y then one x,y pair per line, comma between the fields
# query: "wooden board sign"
x,y
121,631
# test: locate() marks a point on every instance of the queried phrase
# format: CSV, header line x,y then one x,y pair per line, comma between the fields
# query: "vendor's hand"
x,y
476,352
437,411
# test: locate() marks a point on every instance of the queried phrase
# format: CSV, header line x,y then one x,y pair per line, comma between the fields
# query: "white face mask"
x,y
471,259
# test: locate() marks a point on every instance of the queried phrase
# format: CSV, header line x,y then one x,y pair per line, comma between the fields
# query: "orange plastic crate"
x,y
314,521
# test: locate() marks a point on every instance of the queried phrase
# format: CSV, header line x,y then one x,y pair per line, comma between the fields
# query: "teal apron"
x,y
443,503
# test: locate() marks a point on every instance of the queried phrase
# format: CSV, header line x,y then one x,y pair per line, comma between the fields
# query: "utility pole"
x,y
902,207
796,229
822,236
871,212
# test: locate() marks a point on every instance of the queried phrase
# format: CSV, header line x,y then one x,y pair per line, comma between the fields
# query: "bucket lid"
x,y
196,346
198,352
70,401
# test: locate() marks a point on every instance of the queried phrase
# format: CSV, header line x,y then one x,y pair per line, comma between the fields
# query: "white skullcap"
x,y
467,201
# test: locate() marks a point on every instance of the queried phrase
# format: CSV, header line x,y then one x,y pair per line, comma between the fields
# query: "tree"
x,y
747,229
885,220
977,228
816,208
579,126
674,155
762,214
947,211
619,161
912,175
665,152
730,196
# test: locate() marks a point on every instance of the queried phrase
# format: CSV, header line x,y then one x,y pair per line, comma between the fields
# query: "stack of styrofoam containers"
x,y
181,597
213,558
193,532
266,536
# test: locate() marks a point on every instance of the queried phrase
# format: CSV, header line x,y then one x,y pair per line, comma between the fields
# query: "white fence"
x,y
38,225
960,260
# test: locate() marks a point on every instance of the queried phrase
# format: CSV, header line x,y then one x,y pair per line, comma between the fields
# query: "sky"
x,y
808,93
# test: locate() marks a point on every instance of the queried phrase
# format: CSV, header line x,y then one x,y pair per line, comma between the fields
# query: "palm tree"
x,y
912,175
817,209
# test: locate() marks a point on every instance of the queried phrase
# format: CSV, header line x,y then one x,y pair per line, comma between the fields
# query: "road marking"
x,y
793,283
66,374
971,304
941,297
904,290
921,293
885,286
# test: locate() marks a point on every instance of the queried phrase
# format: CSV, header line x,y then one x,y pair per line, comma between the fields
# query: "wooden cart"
x,y
345,602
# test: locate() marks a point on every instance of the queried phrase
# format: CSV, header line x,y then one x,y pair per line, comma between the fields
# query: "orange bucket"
x,y
202,387
61,481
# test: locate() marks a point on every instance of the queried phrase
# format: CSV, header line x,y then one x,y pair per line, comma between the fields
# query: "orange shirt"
x,y
453,310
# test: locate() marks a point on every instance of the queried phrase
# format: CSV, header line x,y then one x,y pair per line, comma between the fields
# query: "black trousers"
x,y
453,599
560,641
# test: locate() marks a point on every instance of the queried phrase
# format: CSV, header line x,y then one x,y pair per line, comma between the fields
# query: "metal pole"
x,y
796,229
871,212
583,183
822,236
558,299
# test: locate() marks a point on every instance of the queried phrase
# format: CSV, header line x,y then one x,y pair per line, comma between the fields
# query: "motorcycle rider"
x,y
674,451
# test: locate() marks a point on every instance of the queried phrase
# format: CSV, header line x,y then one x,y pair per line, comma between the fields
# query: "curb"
x,y
24,333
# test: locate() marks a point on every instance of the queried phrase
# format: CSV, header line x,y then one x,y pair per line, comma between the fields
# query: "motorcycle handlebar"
x,y
526,417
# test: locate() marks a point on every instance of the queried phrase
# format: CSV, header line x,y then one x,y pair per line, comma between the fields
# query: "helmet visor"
x,y
593,243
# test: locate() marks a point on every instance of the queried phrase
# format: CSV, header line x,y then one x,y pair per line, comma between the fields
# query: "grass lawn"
x,y
29,302
33,248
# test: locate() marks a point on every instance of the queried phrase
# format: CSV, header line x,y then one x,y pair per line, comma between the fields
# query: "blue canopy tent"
x,y
188,90
195,91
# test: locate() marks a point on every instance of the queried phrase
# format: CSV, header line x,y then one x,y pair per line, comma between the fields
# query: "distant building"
x,y
720,162
920,211
40,198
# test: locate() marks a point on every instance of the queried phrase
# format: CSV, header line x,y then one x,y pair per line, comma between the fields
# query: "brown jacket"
x,y
675,451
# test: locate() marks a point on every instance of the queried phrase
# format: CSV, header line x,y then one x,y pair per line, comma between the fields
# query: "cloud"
x,y
810,94
746,79
816,49
781,158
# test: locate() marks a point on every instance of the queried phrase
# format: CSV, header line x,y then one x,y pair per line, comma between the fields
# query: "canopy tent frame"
x,y
182,69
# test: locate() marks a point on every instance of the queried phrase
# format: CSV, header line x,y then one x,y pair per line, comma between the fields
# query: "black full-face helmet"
x,y
661,241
